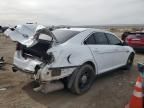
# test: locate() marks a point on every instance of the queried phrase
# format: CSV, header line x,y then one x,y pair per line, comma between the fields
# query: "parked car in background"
x,y
2,29
70,55
134,39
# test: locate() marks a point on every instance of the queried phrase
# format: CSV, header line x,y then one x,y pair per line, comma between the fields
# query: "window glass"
x,y
90,40
64,35
113,40
100,38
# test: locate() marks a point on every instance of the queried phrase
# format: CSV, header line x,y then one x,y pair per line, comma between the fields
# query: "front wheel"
x,y
83,79
129,62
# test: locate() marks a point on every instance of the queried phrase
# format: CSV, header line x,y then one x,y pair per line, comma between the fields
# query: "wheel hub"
x,y
84,79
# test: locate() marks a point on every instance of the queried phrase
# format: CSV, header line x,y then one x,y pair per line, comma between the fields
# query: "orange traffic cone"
x,y
136,100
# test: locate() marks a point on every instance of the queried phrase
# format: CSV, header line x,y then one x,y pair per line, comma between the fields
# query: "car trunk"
x,y
38,50
29,41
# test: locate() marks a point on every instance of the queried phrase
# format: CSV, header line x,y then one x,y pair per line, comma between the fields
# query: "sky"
x,y
72,12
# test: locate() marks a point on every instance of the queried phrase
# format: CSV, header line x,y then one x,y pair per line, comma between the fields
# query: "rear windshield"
x,y
133,35
64,35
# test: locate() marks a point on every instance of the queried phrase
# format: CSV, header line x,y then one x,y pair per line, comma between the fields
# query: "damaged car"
x,y
67,56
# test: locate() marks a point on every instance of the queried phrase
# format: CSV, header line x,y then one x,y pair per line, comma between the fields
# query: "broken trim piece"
x,y
15,68
64,67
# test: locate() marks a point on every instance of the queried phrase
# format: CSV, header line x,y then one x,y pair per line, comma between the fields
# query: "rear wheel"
x,y
83,79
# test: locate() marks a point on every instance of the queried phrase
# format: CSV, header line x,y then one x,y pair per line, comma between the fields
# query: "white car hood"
x,y
26,34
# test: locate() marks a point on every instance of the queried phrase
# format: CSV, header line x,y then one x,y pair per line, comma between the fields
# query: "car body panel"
x,y
25,34
25,64
109,57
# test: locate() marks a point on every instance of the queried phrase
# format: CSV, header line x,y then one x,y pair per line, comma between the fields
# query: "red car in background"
x,y
134,39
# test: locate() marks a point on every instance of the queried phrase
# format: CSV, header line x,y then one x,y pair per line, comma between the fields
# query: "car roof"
x,y
83,29
73,29
83,33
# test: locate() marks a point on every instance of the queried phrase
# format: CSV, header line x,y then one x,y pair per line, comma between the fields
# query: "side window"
x,y
101,38
90,40
113,40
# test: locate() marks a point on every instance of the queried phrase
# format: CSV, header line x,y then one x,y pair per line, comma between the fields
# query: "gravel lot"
x,y
112,90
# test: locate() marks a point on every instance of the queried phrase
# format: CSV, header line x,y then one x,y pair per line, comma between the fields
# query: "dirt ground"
x,y
111,90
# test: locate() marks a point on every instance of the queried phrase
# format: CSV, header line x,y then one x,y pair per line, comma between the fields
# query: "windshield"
x,y
64,35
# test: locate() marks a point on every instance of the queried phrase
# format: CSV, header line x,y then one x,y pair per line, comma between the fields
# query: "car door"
x,y
120,53
102,53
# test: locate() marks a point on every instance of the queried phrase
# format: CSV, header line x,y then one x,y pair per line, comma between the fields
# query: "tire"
x,y
129,62
83,79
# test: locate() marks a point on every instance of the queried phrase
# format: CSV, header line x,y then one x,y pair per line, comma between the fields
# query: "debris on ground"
x,y
119,84
49,87
132,83
1,62
3,89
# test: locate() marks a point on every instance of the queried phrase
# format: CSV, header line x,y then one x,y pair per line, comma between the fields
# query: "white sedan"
x,y
73,56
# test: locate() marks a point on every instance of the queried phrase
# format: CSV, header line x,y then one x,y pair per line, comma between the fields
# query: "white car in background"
x,y
71,55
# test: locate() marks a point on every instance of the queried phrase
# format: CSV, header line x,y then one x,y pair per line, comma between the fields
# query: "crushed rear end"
x,y
31,52
38,53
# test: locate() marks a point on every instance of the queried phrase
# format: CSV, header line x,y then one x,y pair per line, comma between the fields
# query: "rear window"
x,y
136,35
64,35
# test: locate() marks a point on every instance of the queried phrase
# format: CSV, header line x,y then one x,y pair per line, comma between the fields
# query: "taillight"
x,y
18,46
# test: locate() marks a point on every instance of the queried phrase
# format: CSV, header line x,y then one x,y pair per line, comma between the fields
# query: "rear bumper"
x,y
139,48
15,68
136,45
27,65
44,73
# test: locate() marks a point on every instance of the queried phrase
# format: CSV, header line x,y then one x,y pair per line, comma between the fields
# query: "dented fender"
x,y
67,56
49,74
67,59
